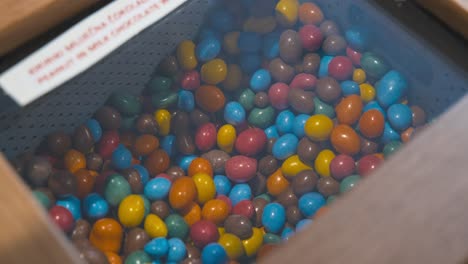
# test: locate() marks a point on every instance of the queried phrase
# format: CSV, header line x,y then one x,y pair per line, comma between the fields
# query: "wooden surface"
x,y
452,12
28,236
21,20
412,210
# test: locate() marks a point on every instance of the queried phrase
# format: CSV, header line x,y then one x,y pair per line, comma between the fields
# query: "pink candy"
x,y
278,95
190,80
342,166
303,81
311,37
205,137
251,141
354,56
240,168
368,164
245,208
340,68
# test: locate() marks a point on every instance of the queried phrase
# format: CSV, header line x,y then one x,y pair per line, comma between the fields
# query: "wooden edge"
x,y
412,210
28,235
31,18
453,12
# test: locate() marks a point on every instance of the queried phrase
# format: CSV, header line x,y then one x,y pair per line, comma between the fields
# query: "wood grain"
x,y
28,236
412,210
21,20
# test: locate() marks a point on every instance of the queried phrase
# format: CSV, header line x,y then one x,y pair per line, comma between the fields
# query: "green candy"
x,y
349,183
331,199
159,84
138,257
262,117
146,204
270,238
391,147
265,197
117,188
164,99
323,108
247,99
176,226
374,65
127,104
42,198
128,123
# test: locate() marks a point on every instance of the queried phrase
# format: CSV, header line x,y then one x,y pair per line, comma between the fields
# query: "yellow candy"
x,y
155,226
260,25
230,43
205,187
232,245
214,71
318,127
367,92
359,76
186,55
322,162
163,118
252,244
226,138
131,210
287,12
221,231
293,165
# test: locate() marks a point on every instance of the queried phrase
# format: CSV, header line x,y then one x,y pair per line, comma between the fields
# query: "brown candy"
x,y
81,230
157,162
83,139
199,118
191,261
175,172
161,209
261,100
301,101
293,215
368,146
238,225
89,253
258,184
304,182
180,121
168,66
287,197
234,72
94,161
308,151
259,204
311,63
58,143
62,183
280,71
146,124
267,165
334,45
134,179
210,98
185,143
108,117
328,89
217,159
269,145
328,186
329,27
38,171
145,144
290,46
419,116
135,239
192,252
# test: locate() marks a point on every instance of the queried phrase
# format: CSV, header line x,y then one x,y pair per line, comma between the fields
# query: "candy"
x,y
260,80
131,211
208,49
232,245
135,239
349,110
333,44
186,55
251,141
230,42
226,137
241,168
234,113
341,166
323,108
318,127
367,164
310,63
215,210
198,165
82,139
311,37
281,71
205,137
323,66
304,182
293,165
108,117
190,80
391,147
391,88
359,76
349,183
58,143
157,188
310,13
261,99
328,89
367,92
374,65
244,208
206,189
217,158
183,191
273,217
62,217
209,98
322,162
177,250
309,203
276,183
155,226
214,253
192,213
106,235
328,186
307,150
278,95
261,117
285,146
203,232
345,140
301,101
240,192
157,248
116,189
399,116
419,116
176,226
186,100
214,71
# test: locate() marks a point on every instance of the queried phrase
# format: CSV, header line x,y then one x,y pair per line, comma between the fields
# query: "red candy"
x,y
245,208
203,232
205,137
108,143
342,166
354,56
190,80
368,164
303,81
340,68
311,37
62,217
251,141
278,95
241,168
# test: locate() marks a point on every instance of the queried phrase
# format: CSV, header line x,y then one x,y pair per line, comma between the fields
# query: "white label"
x,y
81,46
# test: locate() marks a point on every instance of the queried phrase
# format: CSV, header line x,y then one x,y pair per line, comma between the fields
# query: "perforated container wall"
x,y
435,82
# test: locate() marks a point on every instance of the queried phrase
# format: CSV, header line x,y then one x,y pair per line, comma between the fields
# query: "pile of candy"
x,y
240,140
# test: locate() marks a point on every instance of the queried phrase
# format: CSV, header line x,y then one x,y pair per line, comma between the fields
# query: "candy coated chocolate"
x,y
108,117
58,143
328,89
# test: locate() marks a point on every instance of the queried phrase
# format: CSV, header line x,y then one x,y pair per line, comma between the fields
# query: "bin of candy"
x,y
222,130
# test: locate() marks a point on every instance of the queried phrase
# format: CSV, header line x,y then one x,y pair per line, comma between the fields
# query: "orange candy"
x,y
216,211
372,123
406,135
106,235
74,160
277,183
127,139
85,182
345,140
182,193
380,156
320,212
157,162
349,110
145,144
113,258
192,213
310,13
200,165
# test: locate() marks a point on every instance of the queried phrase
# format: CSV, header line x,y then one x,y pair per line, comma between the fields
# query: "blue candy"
x,y
177,250
95,206
271,132
374,105
260,80
157,248
208,48
270,48
95,129
144,174
222,184
285,146
168,145
302,224
121,158
157,188
285,122
391,88
287,233
309,203
250,42
299,123
73,205
184,161
250,62
357,38
214,253
389,134
323,68
400,116
273,217
222,20
350,87
206,32
234,113
186,100
240,192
